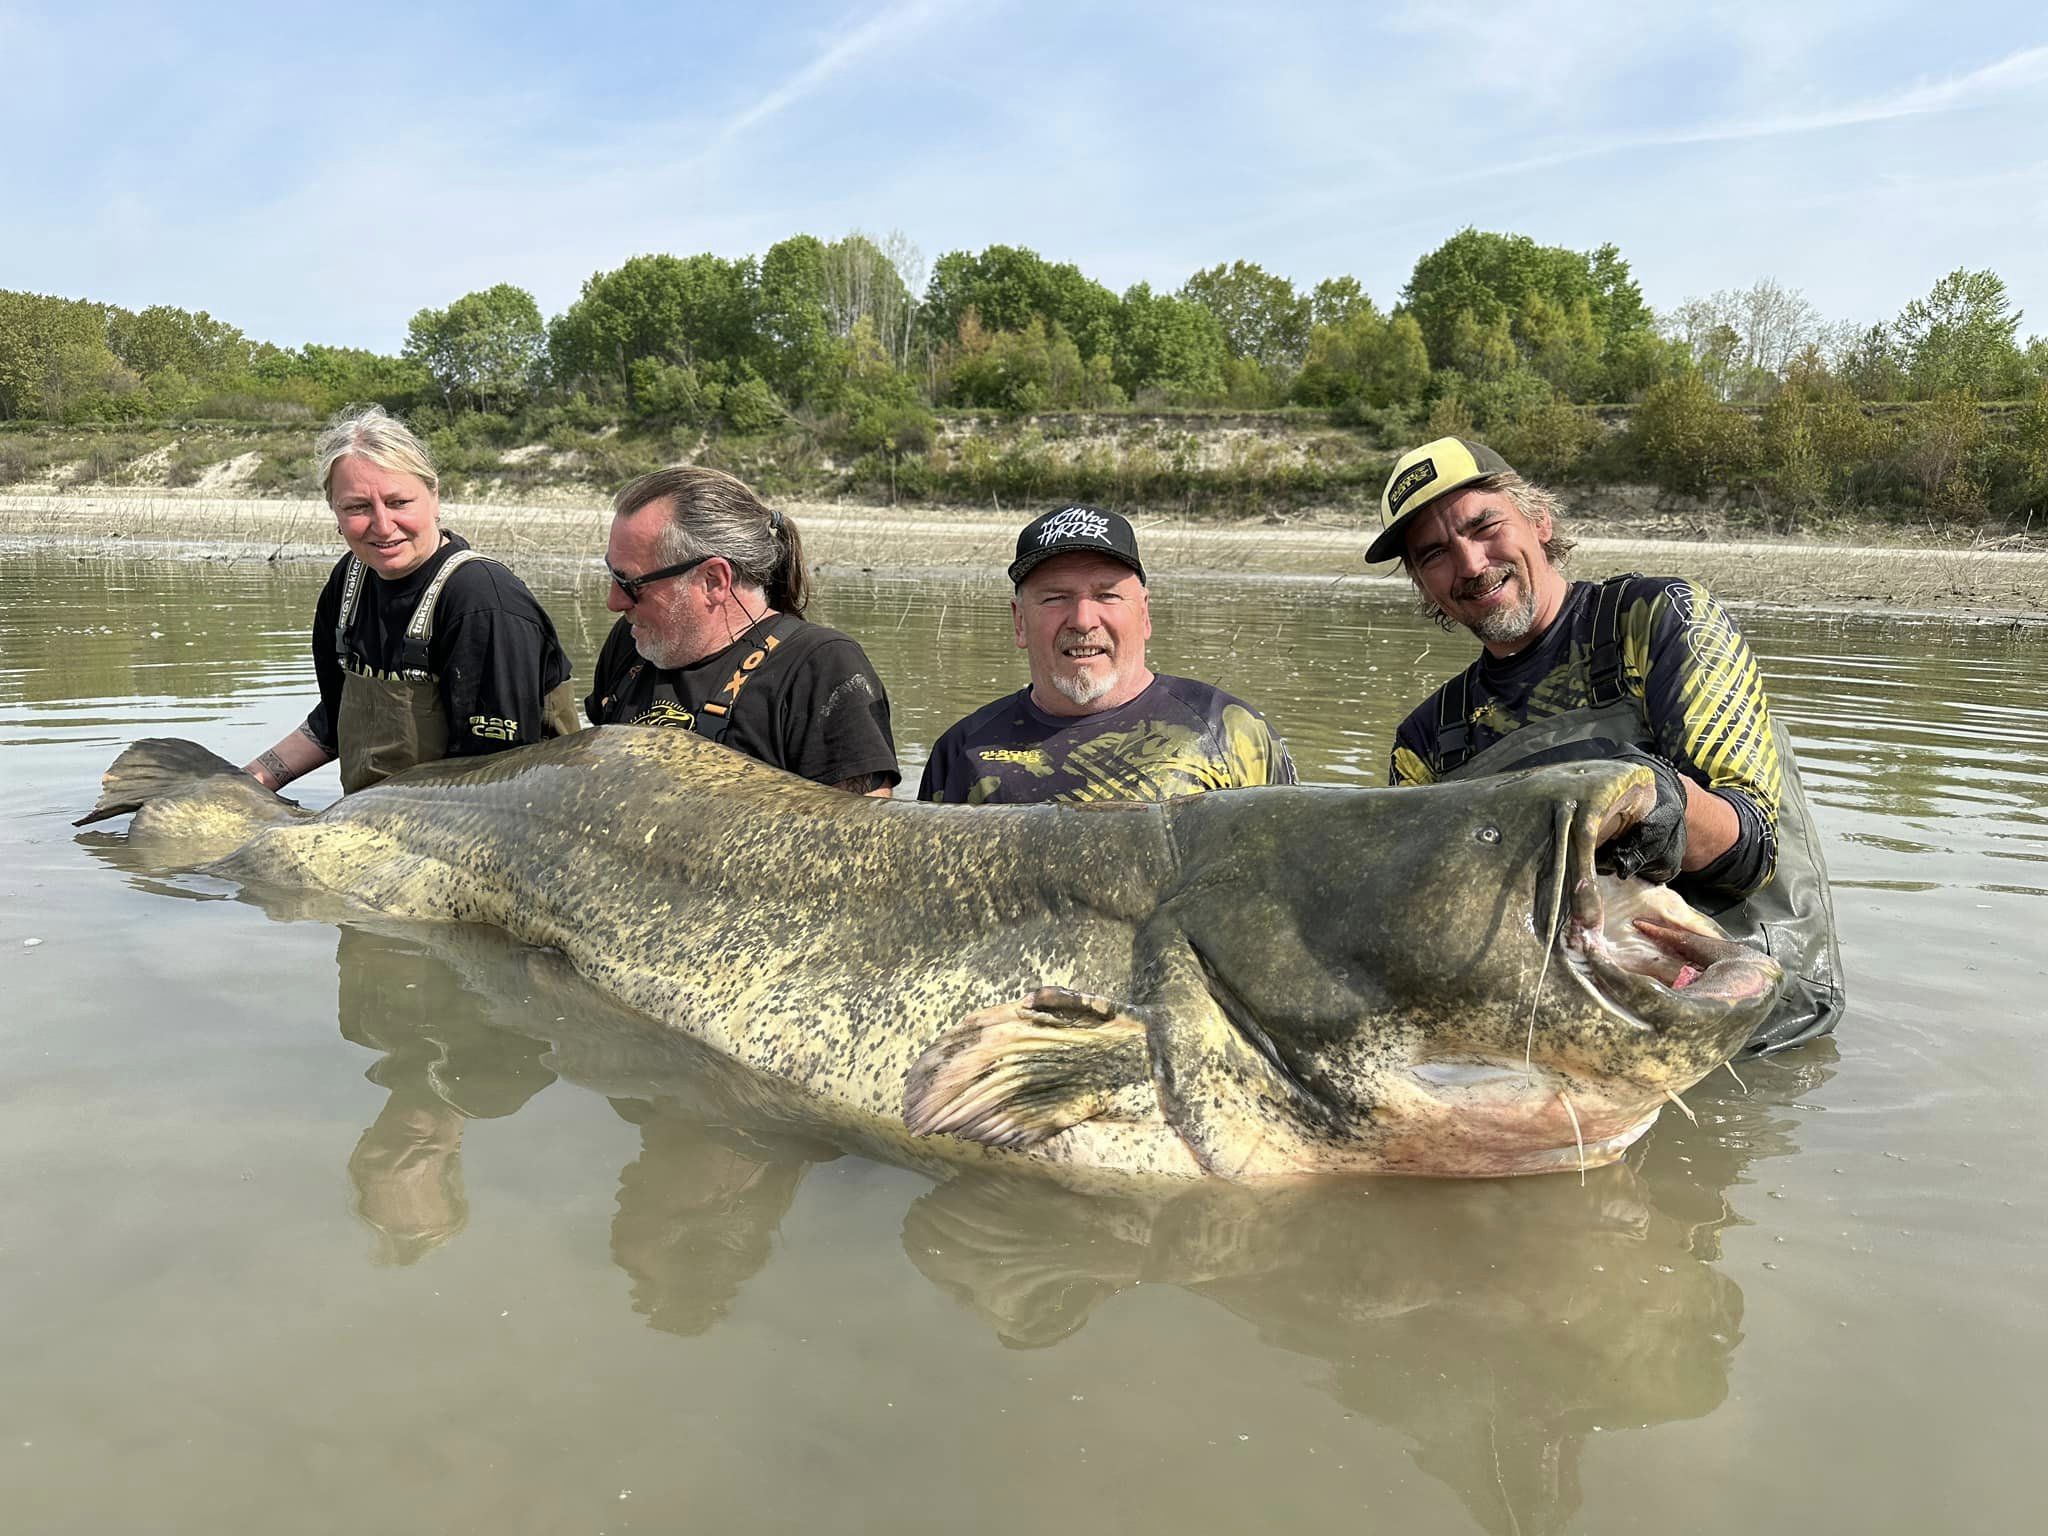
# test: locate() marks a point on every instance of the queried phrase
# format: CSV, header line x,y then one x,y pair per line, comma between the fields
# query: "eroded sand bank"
x,y
1977,581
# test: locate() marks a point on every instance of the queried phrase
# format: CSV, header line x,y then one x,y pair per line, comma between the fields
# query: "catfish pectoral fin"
x,y
1015,1074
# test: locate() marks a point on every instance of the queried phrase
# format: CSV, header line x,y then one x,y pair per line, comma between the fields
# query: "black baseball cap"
x,y
1074,530
1420,476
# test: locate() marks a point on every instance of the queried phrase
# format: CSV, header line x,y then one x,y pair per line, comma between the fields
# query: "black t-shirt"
x,y
1178,737
493,649
812,705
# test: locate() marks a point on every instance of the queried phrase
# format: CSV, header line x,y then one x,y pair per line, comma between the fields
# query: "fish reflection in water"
x,y
1497,1325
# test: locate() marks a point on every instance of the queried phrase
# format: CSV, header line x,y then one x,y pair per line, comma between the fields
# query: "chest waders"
x,y
388,724
1792,916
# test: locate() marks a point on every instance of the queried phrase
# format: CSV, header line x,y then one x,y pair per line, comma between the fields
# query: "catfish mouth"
x,y
1673,998
1642,948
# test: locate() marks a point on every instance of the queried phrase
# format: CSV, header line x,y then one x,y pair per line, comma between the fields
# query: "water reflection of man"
x,y
442,1064
698,1213
1644,668
1096,723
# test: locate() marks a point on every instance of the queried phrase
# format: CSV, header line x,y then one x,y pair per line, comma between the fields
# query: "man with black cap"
x,y
1096,723
1647,669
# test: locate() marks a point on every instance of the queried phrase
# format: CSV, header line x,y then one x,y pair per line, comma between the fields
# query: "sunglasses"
x,y
632,585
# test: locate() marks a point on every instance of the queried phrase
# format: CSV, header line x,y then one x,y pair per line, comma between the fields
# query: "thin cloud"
x,y
2016,72
891,26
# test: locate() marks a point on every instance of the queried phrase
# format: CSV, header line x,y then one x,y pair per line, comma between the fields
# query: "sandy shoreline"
x,y
1963,581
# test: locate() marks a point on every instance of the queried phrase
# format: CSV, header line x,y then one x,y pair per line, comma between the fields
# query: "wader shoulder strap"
x,y
351,594
1453,725
419,630
1603,666
714,720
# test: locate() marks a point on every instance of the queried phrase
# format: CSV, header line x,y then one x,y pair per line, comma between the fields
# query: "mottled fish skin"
x,y
1288,957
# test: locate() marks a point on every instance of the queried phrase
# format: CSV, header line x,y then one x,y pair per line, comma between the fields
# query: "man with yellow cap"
x,y
1644,668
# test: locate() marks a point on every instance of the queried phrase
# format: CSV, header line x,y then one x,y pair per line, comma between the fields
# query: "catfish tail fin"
x,y
194,805
152,769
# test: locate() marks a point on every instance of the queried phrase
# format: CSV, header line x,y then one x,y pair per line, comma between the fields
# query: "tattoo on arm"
x,y
863,784
273,765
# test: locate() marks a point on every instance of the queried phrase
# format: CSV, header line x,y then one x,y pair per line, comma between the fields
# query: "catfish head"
x,y
1433,980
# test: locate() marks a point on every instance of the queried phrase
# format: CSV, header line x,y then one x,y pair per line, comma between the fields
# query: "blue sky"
x,y
321,180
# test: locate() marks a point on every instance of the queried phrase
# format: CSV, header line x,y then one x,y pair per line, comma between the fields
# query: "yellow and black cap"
x,y
1423,474
1075,530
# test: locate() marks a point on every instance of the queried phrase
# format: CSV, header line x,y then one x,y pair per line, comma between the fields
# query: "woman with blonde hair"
x,y
423,648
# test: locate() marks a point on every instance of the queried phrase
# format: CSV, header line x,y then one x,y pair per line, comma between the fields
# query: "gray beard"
x,y
1509,624
1087,688
658,657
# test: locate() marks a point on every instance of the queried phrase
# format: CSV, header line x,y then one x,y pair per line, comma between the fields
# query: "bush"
x,y
235,405
1548,440
673,392
21,457
1687,440
284,473
751,406
1940,446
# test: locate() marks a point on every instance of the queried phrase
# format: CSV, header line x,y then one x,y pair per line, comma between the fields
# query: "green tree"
x,y
792,334
1688,440
84,381
485,348
1006,285
687,310
40,339
1168,345
1561,343
324,379
1870,365
162,337
1261,315
1334,299
1365,357
1961,337
1490,279
2034,361
1547,438
1941,441
1481,349
875,281
1037,368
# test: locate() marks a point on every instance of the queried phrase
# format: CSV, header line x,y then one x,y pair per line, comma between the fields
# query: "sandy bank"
x,y
1974,581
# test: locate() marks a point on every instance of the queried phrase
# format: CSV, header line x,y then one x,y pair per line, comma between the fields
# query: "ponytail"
x,y
789,588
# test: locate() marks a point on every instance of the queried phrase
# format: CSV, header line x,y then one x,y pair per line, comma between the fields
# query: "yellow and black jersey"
x,y
1661,643
1178,737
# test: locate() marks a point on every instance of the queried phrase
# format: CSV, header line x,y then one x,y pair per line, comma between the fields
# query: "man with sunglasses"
x,y
710,588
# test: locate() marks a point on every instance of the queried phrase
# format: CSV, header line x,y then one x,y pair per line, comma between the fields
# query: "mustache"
x,y
1484,581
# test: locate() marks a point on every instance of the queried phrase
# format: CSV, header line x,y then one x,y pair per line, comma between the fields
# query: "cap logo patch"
x,y
1413,479
1073,523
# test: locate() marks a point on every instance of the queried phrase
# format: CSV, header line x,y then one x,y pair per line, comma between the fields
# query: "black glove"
x,y
1652,849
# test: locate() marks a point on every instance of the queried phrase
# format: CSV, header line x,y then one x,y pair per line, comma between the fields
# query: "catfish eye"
x,y
1487,834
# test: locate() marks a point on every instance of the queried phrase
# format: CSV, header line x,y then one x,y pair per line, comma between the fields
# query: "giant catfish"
x,y
1249,983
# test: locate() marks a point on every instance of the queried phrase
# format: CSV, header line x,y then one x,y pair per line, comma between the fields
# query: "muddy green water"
x,y
377,1230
